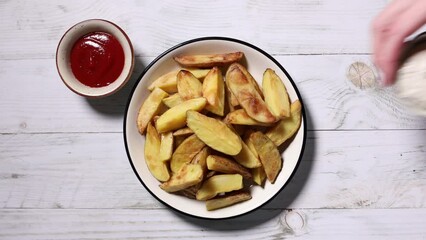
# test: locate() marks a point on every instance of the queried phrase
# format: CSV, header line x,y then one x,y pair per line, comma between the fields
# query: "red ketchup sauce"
x,y
97,59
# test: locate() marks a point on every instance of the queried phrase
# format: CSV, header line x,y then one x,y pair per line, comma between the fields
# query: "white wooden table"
x,y
64,173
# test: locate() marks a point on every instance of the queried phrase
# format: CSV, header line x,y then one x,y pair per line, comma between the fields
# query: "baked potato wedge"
x,y
166,146
246,157
268,154
219,184
214,91
157,167
172,100
259,175
185,152
225,165
249,143
168,82
150,108
183,132
276,96
189,87
209,60
175,117
287,127
189,175
214,133
247,95
201,158
240,117
233,101
227,201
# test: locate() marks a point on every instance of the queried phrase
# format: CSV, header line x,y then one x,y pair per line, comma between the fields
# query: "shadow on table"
x,y
115,105
275,207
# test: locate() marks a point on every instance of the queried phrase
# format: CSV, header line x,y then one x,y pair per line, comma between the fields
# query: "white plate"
x,y
256,61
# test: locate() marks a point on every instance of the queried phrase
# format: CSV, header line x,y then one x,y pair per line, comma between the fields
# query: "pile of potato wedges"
x,y
212,136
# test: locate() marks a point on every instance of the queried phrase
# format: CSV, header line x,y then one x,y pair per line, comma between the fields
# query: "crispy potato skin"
x,y
207,61
225,165
188,85
269,155
189,175
246,94
185,152
227,201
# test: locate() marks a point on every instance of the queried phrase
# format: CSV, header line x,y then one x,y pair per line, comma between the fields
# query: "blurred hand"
x,y
396,22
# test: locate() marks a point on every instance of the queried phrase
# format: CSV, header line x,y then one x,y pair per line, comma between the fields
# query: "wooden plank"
x,y
164,224
35,100
284,27
340,169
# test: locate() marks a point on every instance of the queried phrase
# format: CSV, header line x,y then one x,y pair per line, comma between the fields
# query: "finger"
x,y
394,9
389,58
389,34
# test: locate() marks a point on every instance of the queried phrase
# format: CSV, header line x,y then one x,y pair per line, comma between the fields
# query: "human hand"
x,y
396,22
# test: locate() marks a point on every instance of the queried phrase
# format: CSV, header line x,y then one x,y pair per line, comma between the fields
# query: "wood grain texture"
x,y
35,100
164,224
279,27
91,170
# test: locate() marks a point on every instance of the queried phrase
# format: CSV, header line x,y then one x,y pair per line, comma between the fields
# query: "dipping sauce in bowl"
x,y
97,59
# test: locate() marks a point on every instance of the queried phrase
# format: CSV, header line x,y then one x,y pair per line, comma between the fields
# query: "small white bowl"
x,y
256,61
63,57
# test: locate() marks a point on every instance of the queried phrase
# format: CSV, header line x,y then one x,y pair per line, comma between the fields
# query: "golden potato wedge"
x,y
219,184
214,91
268,154
233,101
276,96
178,140
166,146
249,143
210,60
225,165
227,201
201,159
246,158
287,127
168,82
240,117
189,87
186,152
150,108
251,79
175,117
157,167
245,91
183,132
190,192
189,175
172,100
259,175
214,133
